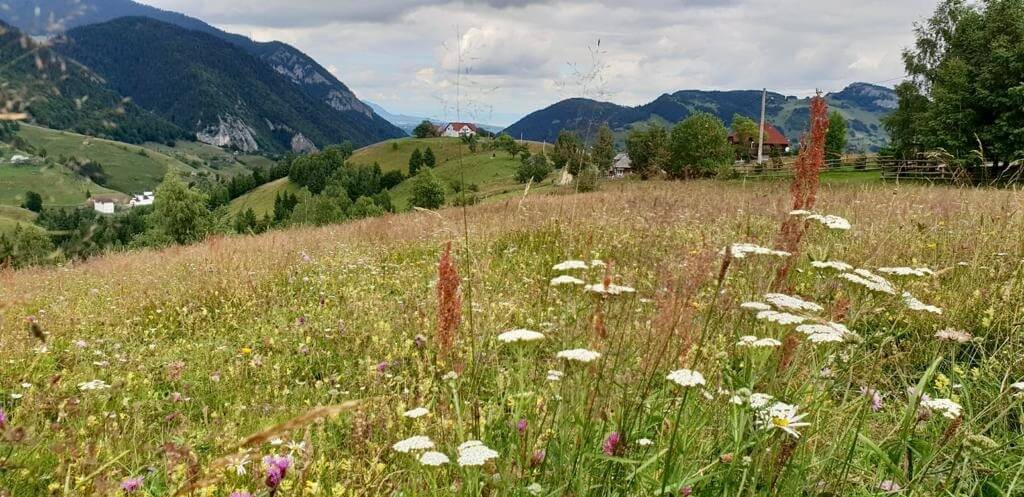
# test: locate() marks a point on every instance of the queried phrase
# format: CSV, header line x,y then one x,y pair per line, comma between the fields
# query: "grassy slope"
x,y
129,171
261,200
211,158
256,330
11,216
58,186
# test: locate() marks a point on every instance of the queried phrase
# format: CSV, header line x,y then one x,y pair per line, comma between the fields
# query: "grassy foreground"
x,y
157,366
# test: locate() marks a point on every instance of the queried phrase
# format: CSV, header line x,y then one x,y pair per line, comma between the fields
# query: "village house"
x,y
621,165
139,200
457,130
103,205
774,141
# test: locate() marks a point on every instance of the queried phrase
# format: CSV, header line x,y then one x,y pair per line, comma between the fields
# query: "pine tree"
x,y
428,158
415,162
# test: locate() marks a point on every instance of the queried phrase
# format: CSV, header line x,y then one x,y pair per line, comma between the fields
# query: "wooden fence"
x,y
895,169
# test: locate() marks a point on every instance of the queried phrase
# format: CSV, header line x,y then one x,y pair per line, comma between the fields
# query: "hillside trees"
x,y
602,153
415,162
648,149
699,147
180,213
424,129
568,152
33,202
533,168
428,158
427,191
835,139
745,132
25,247
966,93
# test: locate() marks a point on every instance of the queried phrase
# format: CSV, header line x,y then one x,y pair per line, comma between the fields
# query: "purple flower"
x,y
889,486
521,426
239,493
131,485
876,398
685,491
277,468
3,418
537,458
382,366
612,444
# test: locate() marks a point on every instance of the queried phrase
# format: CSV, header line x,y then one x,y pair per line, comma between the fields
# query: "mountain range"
x,y
408,123
862,104
327,97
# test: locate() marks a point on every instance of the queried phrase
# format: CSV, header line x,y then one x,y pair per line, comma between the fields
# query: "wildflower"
x,y
645,442
759,400
824,333
475,453
521,426
449,301
755,306
946,407
520,335
418,442
419,341
237,464
757,343
830,221
93,385
3,418
783,301
906,271
837,265
433,458
382,366
612,444
294,447
569,265
870,280
953,335
1019,387
131,485
416,413
537,458
876,398
742,250
555,375
916,305
240,493
598,263
565,280
782,416
535,489
581,355
783,318
686,378
277,468
889,486
685,491
450,376
609,289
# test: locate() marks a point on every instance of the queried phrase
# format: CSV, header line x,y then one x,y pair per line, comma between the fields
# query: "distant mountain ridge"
x,y
57,16
409,123
862,104
57,92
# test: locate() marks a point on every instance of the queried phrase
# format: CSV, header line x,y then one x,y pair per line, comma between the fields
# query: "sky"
x,y
493,61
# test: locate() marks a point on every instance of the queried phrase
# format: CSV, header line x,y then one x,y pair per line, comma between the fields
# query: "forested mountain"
x,y
862,104
54,17
223,94
61,93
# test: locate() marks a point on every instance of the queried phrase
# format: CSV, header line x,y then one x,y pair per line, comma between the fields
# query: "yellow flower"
x,y
246,350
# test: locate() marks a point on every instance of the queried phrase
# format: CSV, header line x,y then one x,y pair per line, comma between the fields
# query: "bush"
x,y
586,181
535,168
699,145
427,191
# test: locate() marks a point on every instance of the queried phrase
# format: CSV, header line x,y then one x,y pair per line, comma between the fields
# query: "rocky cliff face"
x,y
229,132
303,71
302,145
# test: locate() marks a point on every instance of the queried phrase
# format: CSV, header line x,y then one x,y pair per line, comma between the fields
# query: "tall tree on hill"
x,y
415,162
33,202
744,132
835,139
968,64
699,147
427,191
428,158
603,151
648,149
567,152
179,212
424,129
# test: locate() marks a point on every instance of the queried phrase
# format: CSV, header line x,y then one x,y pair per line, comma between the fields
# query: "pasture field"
x,y
261,199
359,359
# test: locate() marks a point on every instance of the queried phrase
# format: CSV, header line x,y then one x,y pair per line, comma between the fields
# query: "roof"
x,y
461,126
622,161
772,136
103,199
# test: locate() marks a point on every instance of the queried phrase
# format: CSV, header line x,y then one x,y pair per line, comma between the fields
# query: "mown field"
x,y
151,370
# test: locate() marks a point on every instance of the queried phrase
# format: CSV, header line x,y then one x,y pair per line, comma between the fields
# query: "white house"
x,y
103,205
139,200
459,129
19,159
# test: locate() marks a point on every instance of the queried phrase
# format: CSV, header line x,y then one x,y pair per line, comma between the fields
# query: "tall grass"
x,y
160,365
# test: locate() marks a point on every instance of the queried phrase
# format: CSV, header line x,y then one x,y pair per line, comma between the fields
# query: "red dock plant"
x,y
804,189
449,302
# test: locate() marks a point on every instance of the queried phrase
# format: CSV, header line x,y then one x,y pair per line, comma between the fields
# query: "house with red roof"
x,y
774,141
459,129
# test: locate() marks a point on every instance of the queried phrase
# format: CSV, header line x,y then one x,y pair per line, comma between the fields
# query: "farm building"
x,y
621,165
774,141
459,129
139,200
103,205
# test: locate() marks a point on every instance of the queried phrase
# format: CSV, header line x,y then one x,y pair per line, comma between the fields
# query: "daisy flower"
x,y
782,416
416,413
520,335
686,378
433,458
581,355
418,442
475,453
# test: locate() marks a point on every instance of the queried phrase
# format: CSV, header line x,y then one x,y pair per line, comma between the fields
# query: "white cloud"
x,y
521,55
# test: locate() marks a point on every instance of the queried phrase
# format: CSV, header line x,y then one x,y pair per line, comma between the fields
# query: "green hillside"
x,y
261,200
11,216
214,159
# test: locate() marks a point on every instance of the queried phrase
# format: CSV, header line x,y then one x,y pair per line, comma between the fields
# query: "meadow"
x,y
638,341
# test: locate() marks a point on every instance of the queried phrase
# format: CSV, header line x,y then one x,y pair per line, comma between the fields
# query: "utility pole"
x,y
760,129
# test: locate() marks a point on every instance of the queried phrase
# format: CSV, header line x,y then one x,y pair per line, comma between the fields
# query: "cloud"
x,y
520,55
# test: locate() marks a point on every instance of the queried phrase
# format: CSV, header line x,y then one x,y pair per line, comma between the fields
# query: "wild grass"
x,y
198,347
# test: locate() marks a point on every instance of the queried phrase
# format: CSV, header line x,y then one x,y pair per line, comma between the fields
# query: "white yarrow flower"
x,y
783,318
520,335
824,332
416,413
566,280
946,407
555,375
742,250
569,265
830,221
953,335
755,306
419,442
645,442
686,378
789,302
612,289
433,458
906,271
475,453
581,355
836,265
916,305
870,280
93,385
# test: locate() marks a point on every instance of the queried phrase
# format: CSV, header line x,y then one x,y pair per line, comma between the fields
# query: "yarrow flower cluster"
x,y
418,442
433,458
783,318
416,412
755,306
566,280
579,355
916,305
824,332
831,222
757,343
783,301
609,289
520,335
870,280
836,265
953,335
475,453
742,250
93,385
686,378
946,407
906,271
570,265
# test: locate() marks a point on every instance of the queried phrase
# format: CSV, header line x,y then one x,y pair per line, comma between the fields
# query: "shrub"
x,y
427,191
535,168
